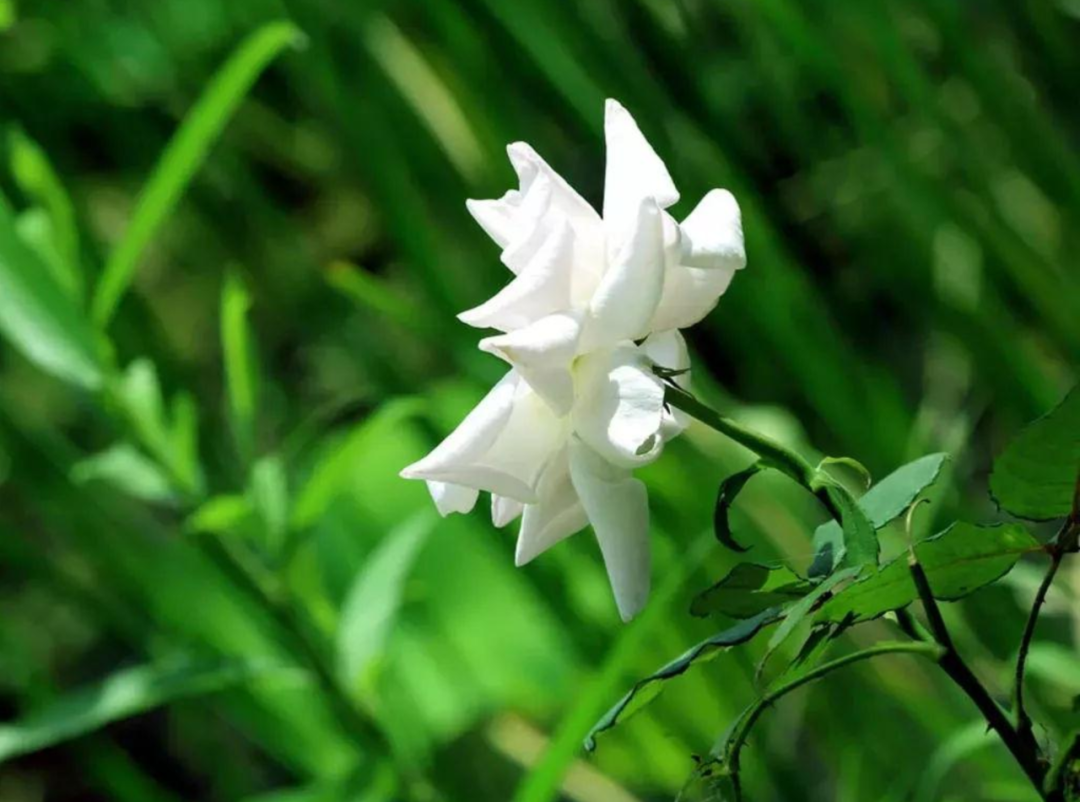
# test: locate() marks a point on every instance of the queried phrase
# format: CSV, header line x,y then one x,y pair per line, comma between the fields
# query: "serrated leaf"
x,y
125,468
725,496
1037,475
645,690
748,589
374,599
957,561
883,503
859,534
38,317
128,693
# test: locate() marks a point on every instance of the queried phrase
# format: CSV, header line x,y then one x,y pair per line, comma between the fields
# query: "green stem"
x,y
931,651
1022,745
1024,723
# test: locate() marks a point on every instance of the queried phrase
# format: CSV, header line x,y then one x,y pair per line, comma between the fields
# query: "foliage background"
x,y
910,187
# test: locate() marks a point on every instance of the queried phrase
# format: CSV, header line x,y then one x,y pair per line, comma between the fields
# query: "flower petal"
x,y
634,171
620,405
504,510
450,498
501,446
689,294
713,235
498,217
618,508
541,287
543,354
668,350
629,291
557,515
532,171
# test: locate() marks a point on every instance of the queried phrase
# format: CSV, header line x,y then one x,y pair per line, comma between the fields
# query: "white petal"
x,y
541,287
504,510
634,171
689,294
497,217
629,291
533,170
620,405
618,508
668,350
557,515
501,446
450,498
713,235
543,354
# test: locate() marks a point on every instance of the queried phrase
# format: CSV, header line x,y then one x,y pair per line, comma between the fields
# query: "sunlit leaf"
x,y
269,493
128,693
749,589
645,690
183,157
957,561
884,502
241,372
1038,475
128,470
220,515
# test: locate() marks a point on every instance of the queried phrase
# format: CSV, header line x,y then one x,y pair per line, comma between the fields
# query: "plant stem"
x,y
1022,745
932,651
1023,720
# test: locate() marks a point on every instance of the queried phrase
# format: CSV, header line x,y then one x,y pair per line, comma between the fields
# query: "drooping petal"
x,y
501,446
629,291
634,171
689,294
618,508
620,405
667,349
450,498
557,515
543,353
504,510
713,234
541,287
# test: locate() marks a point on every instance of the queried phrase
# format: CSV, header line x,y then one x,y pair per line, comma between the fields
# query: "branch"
x,y
1024,723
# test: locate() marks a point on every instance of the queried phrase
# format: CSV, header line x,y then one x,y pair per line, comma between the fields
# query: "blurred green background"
x,y
910,186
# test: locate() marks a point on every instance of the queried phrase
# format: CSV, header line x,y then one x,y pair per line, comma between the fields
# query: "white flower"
x,y
595,303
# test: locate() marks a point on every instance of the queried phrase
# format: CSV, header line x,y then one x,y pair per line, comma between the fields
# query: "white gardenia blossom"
x,y
595,304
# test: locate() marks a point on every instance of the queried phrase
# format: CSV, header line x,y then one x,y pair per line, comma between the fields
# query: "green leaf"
x,y
183,157
376,594
125,468
848,462
220,515
646,690
183,444
139,394
797,613
883,503
269,493
725,496
957,561
39,317
859,534
128,693
241,372
37,179
748,589
1038,475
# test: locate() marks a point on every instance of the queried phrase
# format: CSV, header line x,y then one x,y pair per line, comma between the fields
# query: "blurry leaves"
x,y
39,317
183,157
128,693
219,515
125,468
725,496
749,589
957,561
882,503
269,493
241,369
373,601
1038,475
646,690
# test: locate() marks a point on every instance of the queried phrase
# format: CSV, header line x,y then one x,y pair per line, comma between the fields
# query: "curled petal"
x,y
634,171
618,508
557,515
501,446
498,217
629,291
620,405
689,294
667,349
542,286
533,171
450,498
543,353
504,510
713,235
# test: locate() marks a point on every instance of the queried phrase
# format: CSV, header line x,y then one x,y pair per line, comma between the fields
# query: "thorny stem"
x,y
932,651
1023,720
1022,745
